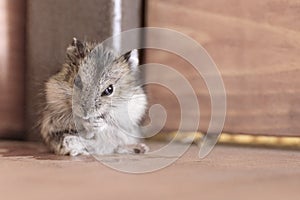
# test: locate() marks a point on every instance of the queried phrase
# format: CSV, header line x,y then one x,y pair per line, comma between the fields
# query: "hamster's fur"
x,y
102,93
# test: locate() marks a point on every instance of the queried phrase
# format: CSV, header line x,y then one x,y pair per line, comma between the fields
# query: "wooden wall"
x,y
12,68
34,35
51,25
256,46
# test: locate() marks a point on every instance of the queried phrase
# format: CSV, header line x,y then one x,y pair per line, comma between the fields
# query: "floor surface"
x,y
28,171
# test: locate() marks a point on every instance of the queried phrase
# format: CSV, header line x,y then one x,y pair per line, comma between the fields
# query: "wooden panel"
x,y
51,26
12,67
256,46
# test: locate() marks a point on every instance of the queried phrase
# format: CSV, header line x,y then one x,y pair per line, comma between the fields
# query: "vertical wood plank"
x,y
12,68
50,28
255,44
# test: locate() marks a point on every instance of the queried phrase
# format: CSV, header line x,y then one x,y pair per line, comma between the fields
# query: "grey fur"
x,y
106,123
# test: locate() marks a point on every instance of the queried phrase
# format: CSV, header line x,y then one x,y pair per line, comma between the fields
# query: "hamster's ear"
x,y
78,46
132,58
75,52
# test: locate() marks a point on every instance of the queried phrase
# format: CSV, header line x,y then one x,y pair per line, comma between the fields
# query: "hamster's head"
x,y
107,88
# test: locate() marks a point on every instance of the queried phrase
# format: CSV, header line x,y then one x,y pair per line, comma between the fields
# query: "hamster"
x,y
94,104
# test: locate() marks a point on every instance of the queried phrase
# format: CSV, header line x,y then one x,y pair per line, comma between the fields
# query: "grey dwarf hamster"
x,y
94,104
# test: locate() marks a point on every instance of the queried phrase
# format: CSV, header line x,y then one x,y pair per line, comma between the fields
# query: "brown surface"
x,y
255,45
28,172
51,26
12,67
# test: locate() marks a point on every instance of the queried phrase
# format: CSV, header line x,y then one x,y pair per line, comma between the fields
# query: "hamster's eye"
x,y
78,82
108,91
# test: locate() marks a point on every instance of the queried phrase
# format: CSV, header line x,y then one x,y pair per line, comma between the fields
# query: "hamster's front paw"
x,y
139,148
73,146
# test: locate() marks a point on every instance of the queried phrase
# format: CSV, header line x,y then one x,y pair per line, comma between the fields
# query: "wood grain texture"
x,y
12,67
237,173
256,46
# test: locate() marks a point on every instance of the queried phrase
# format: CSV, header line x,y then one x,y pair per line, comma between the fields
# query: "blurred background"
x,y
255,45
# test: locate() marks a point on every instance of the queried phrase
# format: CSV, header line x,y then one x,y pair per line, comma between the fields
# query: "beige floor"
x,y
27,171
